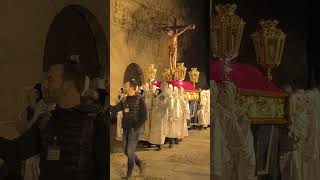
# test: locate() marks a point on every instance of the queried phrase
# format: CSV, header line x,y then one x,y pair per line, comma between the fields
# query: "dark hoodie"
x,y
67,125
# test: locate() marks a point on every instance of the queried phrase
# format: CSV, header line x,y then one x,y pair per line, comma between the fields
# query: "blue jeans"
x,y
130,139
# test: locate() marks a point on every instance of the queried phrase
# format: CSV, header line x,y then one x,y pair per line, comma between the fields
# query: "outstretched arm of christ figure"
x,y
191,26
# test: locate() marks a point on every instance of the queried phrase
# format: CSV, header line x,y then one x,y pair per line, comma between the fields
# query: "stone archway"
x,y
133,71
75,34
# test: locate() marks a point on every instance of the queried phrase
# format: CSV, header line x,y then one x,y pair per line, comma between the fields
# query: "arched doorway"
x,y
133,71
76,35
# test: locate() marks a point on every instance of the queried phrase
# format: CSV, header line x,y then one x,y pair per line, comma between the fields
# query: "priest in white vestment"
x,y
185,113
148,98
291,160
215,134
311,147
237,151
174,106
159,117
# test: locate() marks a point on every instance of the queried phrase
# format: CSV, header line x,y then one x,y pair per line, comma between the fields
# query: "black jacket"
x,y
36,140
137,114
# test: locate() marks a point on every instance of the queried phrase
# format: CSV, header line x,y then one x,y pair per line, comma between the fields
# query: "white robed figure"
x,y
201,114
119,126
216,139
148,99
159,117
174,109
311,147
204,110
185,113
237,152
291,161
207,109
179,114
119,131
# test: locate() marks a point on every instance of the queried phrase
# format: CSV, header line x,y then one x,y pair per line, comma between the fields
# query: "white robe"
x,y
236,160
201,116
119,126
291,162
311,147
159,119
206,108
184,116
148,98
204,112
174,111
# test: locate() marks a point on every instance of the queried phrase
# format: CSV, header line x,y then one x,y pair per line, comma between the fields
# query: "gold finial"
x,y
269,44
228,9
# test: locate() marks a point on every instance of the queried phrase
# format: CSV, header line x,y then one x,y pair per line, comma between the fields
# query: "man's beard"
x,y
55,95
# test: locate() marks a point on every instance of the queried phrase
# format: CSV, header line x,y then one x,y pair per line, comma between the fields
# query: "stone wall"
x,y
23,33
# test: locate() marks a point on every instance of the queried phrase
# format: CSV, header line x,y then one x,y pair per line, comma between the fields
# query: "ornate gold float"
x,y
264,107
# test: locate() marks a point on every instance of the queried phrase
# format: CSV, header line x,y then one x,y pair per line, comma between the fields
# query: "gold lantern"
x,y
268,43
227,28
167,75
194,76
151,72
180,73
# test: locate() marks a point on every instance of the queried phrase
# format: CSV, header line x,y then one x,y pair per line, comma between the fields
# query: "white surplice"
x,y
148,98
119,126
159,119
310,146
174,111
184,116
291,162
236,158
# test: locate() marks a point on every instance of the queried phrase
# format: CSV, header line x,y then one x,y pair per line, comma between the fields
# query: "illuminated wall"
x,y
24,27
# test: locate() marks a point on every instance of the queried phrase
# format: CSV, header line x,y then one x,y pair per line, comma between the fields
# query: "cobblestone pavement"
x,y
188,160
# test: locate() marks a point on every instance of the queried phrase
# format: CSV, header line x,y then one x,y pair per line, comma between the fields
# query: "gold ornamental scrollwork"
x,y
151,72
180,72
194,76
265,107
192,95
167,75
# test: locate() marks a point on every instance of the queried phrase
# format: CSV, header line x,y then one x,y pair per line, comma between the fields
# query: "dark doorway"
x,y
133,71
76,35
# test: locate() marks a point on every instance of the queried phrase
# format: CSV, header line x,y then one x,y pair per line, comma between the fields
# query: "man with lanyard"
x,y
134,116
71,139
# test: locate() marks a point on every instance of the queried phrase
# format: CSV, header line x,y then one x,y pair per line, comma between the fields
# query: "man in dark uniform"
x,y
134,116
71,140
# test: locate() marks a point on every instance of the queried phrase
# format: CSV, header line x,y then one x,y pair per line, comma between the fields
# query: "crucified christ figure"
x,y
172,32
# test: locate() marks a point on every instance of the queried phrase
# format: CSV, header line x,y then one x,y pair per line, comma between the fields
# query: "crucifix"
x,y
172,32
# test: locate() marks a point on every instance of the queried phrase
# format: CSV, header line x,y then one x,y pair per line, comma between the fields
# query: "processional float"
x,y
176,72
264,105
261,106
